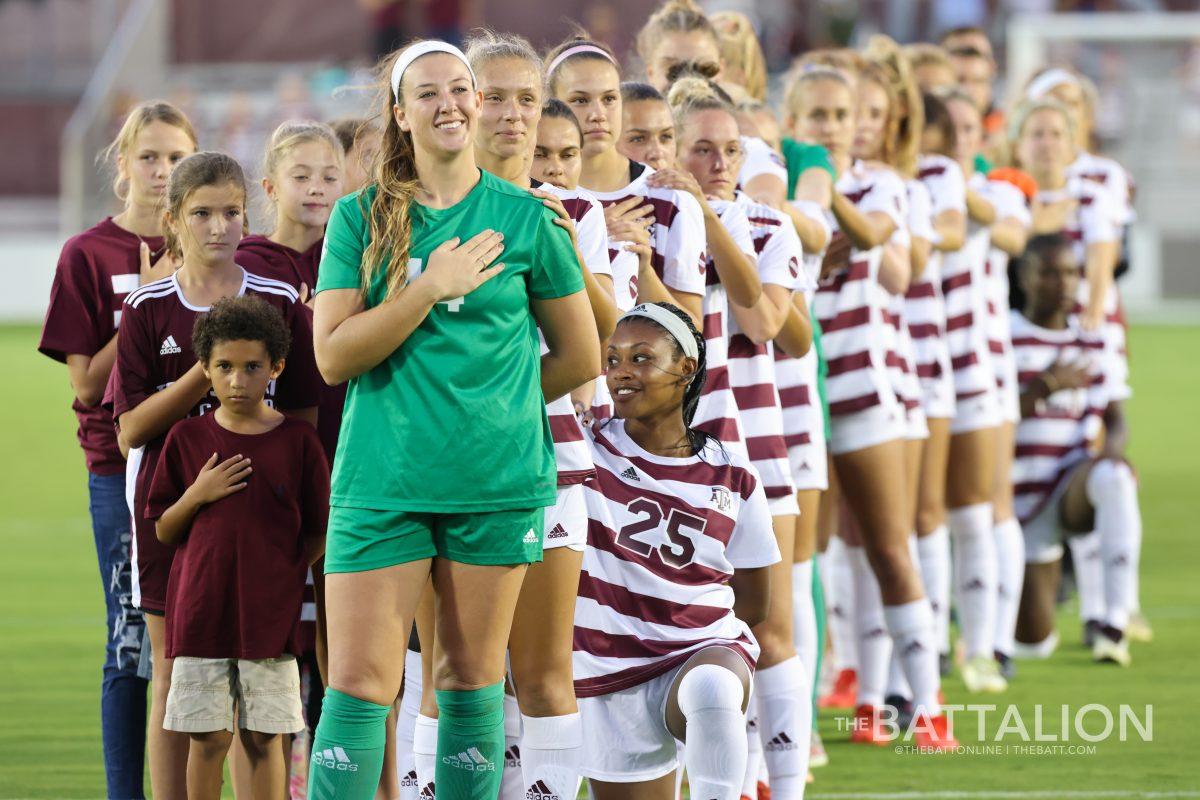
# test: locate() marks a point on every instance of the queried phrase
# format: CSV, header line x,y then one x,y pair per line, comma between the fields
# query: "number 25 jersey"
x,y
664,537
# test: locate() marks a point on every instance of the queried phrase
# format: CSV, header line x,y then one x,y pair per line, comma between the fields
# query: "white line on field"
x,y
1015,795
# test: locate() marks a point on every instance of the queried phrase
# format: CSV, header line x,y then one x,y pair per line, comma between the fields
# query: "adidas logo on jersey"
x,y
409,780
471,759
512,757
540,791
557,532
780,743
721,499
630,474
169,347
530,537
335,758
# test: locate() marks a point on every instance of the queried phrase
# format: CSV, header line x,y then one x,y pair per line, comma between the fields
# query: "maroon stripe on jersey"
x,y
740,346
854,404
996,347
890,318
929,172
760,395
664,210
857,271
848,363
910,403
795,396
1034,341
723,428
776,492
856,197
920,291
712,325
923,330
1052,450
575,207
602,538
959,281
764,448
647,608
964,361
574,477
716,379
797,439
931,370
894,360
852,318
764,221
700,473
564,428
623,645
961,396
761,240
964,320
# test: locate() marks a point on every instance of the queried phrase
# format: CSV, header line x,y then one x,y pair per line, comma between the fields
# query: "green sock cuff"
x,y
353,722
471,710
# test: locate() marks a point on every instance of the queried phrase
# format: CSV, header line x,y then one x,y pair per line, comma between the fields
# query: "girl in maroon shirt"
x,y
96,269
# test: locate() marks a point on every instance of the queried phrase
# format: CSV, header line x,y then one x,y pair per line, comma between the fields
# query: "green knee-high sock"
x,y
347,751
818,591
470,748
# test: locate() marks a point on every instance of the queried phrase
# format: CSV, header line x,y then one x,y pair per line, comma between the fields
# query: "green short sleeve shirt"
x,y
801,156
454,420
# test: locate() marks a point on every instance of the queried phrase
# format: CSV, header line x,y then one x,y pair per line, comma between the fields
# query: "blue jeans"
x,y
122,691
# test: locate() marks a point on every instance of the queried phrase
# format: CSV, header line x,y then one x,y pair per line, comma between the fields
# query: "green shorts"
x,y
361,539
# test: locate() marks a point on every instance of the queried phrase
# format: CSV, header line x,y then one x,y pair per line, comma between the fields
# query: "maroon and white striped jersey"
x,y
851,305
964,287
570,450
924,305
717,412
1010,204
1062,429
665,535
1112,176
752,366
759,159
901,360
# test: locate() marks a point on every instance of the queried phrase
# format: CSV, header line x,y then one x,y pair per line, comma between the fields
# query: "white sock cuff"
x,y
551,733
425,736
935,538
783,678
710,686
974,519
908,618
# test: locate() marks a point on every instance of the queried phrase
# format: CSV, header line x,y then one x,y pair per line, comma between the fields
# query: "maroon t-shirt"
x,y
270,259
237,580
154,349
95,271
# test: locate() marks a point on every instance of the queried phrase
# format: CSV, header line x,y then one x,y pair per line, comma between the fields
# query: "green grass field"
x,y
51,619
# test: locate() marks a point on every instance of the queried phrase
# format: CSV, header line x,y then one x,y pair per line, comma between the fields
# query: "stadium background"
x,y
69,69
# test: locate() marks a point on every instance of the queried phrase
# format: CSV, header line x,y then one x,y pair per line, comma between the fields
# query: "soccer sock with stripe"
x,y
425,740
874,645
975,576
710,698
406,725
550,749
1112,489
470,748
933,555
785,725
1010,563
347,755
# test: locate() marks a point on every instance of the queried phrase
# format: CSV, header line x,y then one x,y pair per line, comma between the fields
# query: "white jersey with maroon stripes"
x,y
665,535
902,360
570,450
964,287
1010,204
1112,176
759,159
1061,430
924,305
752,366
851,305
717,412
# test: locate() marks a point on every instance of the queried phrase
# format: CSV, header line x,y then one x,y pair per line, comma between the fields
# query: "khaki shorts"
x,y
205,691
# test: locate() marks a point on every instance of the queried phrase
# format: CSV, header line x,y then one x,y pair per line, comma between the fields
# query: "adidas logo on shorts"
x,y
471,760
530,537
540,791
631,475
335,758
557,532
169,347
780,743
409,781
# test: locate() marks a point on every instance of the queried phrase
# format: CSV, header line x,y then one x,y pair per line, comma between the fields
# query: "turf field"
x,y
51,620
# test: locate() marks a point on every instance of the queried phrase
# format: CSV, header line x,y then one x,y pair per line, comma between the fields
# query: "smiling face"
x,y
591,88
872,117
648,133
710,147
439,106
210,223
240,371
672,49
307,181
512,104
147,164
825,115
556,158
641,358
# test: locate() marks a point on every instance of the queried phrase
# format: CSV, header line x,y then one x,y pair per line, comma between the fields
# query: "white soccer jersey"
x,y
717,412
759,159
752,366
664,537
1061,431
901,359
851,305
1010,203
1112,176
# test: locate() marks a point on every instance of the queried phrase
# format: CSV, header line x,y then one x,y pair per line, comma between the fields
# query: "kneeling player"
x,y
1062,485
674,575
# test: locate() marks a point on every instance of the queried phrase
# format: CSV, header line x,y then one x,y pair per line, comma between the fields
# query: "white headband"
x,y
576,50
674,325
1047,82
423,49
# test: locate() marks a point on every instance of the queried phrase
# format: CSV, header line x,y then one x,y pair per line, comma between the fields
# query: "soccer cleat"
x,y
934,732
764,791
1111,650
982,675
1138,629
945,664
843,693
1007,667
903,707
867,728
1090,629
817,757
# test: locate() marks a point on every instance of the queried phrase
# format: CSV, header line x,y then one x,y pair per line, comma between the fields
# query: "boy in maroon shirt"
x,y
244,493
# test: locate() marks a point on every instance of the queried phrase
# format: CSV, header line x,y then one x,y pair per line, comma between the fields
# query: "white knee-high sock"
x,y
911,627
804,618
512,787
838,580
933,554
1089,575
550,756
1112,489
874,644
425,737
975,575
754,752
406,724
897,682
784,698
1010,573
710,698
